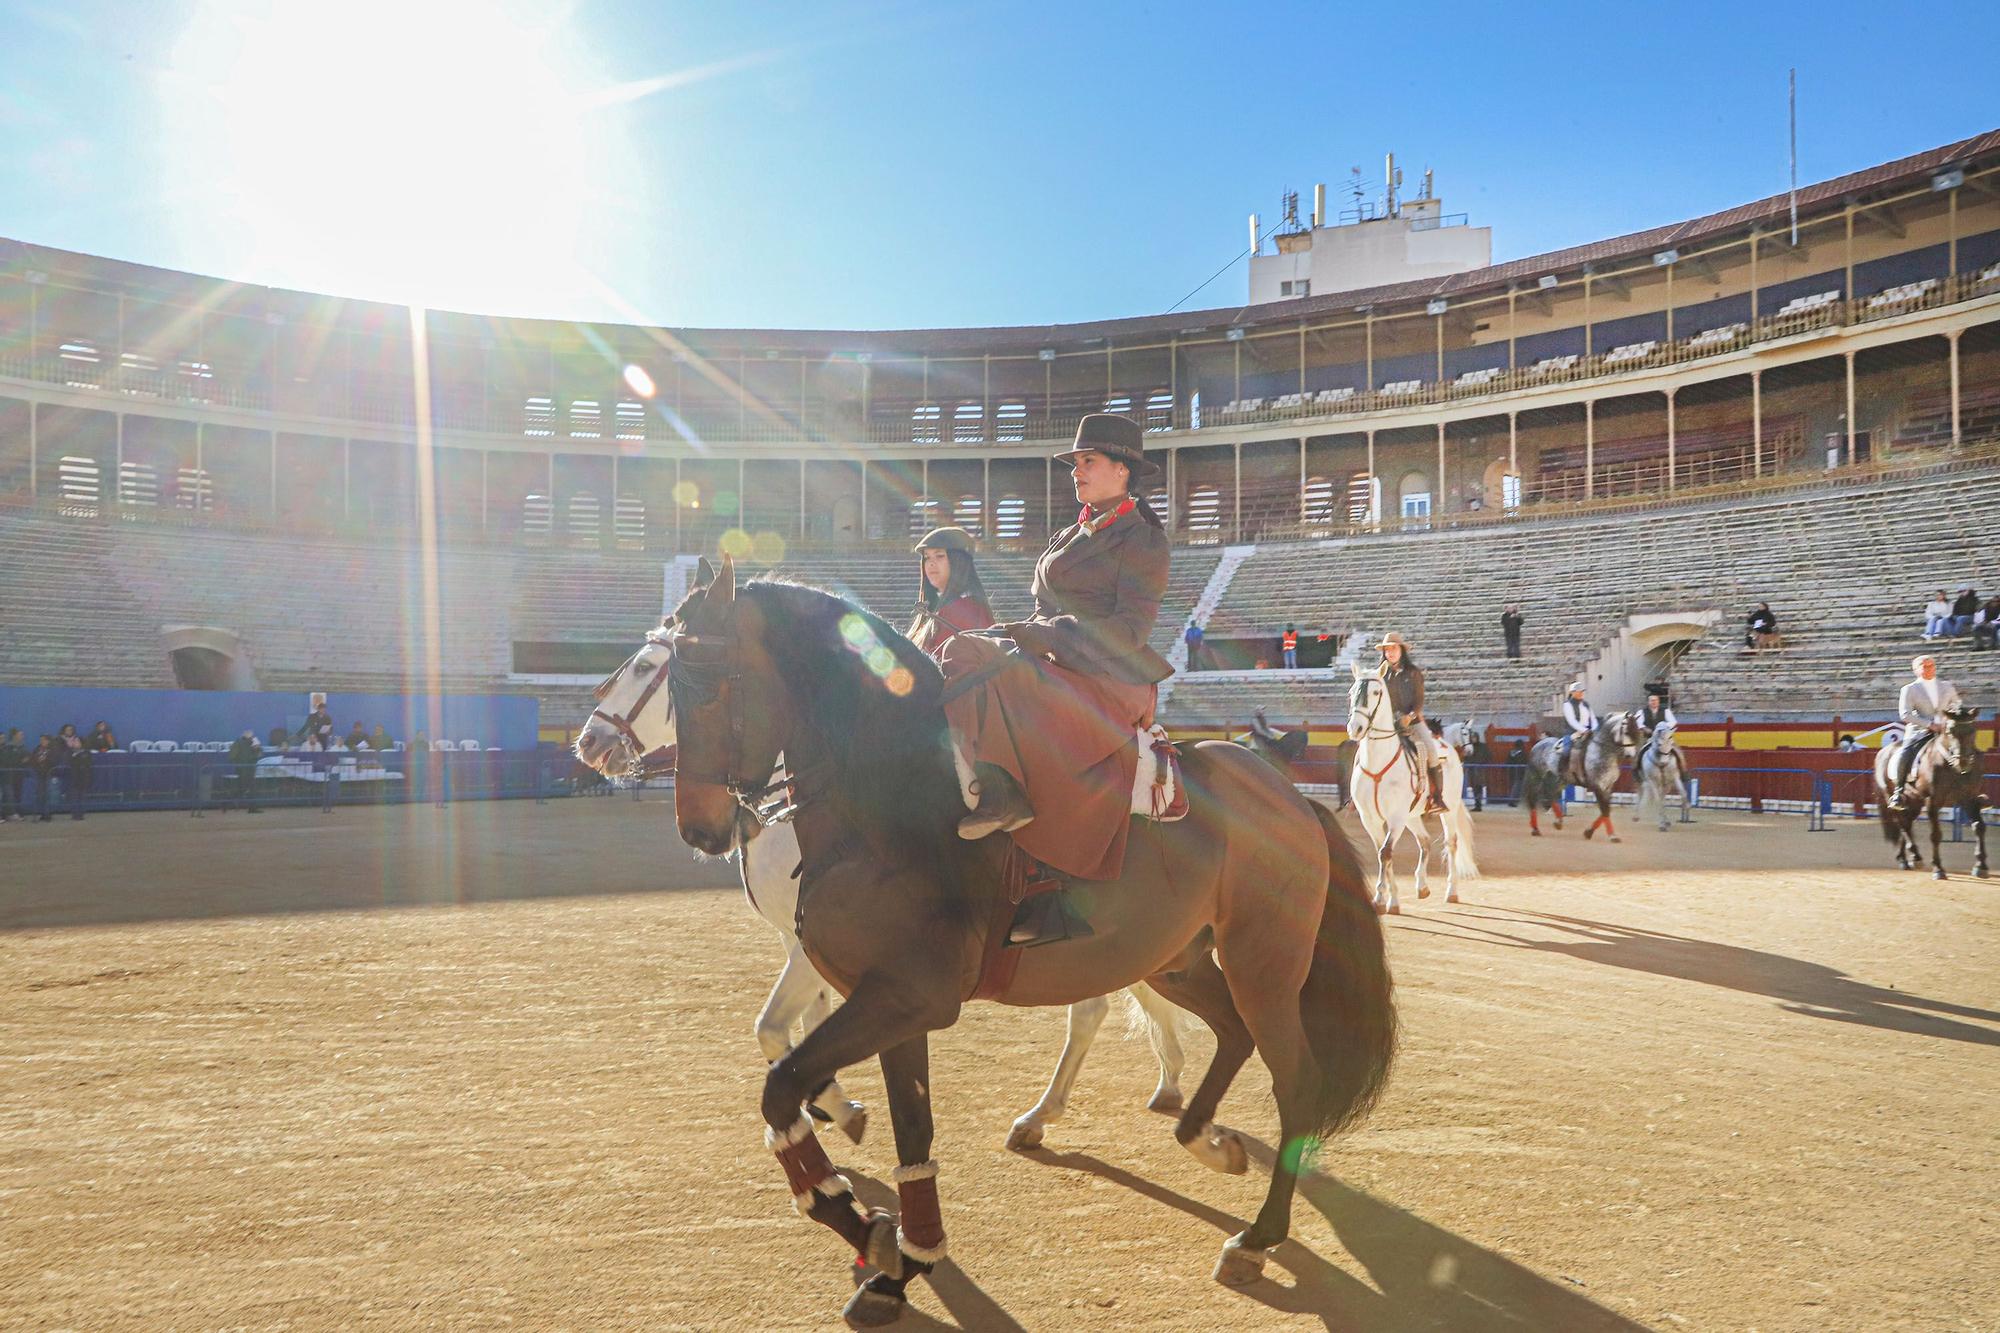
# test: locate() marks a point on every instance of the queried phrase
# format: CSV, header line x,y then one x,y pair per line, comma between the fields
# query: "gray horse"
x,y
1595,764
1947,775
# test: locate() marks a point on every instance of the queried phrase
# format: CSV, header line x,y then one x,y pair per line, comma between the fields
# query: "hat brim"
x,y
1141,467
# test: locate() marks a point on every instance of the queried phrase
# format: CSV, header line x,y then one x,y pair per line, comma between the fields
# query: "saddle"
x,y
1033,893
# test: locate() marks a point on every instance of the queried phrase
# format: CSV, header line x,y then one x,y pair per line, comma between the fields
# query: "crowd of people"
x,y
1954,617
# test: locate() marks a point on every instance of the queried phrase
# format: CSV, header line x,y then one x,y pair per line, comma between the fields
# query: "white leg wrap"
x,y
800,1131
920,1171
921,1253
833,1187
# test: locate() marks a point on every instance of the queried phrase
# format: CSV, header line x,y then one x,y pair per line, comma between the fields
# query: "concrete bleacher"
x,y
65,618
1846,571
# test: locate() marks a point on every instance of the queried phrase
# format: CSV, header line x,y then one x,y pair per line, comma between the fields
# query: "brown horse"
x,y
1946,775
1248,913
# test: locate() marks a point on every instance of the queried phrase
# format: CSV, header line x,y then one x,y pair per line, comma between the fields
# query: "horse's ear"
x,y
724,588
1356,664
704,573
667,621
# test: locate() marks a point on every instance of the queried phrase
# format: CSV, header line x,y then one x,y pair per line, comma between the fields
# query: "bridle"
x,y
644,764
1359,697
698,667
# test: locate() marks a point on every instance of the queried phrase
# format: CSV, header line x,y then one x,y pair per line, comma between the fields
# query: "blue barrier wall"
x,y
508,721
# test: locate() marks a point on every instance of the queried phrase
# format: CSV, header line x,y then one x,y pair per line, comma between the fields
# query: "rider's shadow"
x,y
1800,987
1428,1277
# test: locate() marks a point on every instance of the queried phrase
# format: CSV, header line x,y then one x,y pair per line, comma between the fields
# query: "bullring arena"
x,y
492,1066
359,973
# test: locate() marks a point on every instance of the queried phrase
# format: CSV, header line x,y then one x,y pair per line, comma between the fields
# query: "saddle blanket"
x,y
1157,790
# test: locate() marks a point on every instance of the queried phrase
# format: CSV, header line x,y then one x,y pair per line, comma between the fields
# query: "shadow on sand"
x,y
1800,987
1427,1277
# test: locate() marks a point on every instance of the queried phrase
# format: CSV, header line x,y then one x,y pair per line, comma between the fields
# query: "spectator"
x,y
1510,629
355,739
1848,745
42,766
379,738
1291,646
281,739
100,739
1517,764
13,768
1763,628
1986,625
244,752
77,785
1937,616
1193,636
1963,610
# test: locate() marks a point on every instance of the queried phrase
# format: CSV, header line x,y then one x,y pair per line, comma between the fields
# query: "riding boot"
x,y
1002,805
1046,918
1434,799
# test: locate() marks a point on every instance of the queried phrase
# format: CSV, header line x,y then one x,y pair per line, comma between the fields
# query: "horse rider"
x,y
1654,715
1581,720
950,597
1404,680
1924,707
1047,743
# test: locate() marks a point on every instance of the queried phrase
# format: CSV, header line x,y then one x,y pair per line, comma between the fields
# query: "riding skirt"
x,y
1069,739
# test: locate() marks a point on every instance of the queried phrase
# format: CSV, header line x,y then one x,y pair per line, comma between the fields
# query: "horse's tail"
x,y
1348,1002
1462,861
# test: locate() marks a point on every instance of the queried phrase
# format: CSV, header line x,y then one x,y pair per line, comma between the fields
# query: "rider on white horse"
x,y
1656,714
1581,720
1923,706
1405,682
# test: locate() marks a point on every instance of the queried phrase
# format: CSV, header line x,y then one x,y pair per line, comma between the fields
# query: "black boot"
x,y
1434,800
1046,918
1002,807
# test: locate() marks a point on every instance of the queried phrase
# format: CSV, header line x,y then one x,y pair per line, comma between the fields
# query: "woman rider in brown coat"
x,y
1047,745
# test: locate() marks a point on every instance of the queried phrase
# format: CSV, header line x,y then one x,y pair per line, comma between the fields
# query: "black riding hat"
x,y
1115,437
945,539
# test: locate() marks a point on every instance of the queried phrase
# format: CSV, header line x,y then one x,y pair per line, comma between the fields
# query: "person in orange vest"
x,y
1291,647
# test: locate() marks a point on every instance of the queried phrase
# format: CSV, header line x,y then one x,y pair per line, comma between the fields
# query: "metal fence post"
x,y
329,790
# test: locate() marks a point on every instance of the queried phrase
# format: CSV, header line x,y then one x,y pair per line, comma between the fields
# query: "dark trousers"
x,y
1514,644
76,786
10,792
44,794
246,785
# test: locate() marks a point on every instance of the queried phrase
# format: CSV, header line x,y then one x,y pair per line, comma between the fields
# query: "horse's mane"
x,y
893,778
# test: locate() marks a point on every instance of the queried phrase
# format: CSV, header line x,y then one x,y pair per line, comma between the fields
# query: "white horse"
x,y
1661,768
631,731
1389,793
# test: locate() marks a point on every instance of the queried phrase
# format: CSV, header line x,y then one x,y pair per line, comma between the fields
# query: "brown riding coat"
x,y
1063,725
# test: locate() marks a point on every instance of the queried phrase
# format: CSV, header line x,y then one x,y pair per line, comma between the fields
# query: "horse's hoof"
x,y
1393,909
1166,1099
855,1125
1220,1150
1451,897
1534,833
1239,1265
1381,908
1025,1135
1613,837
869,1308
1586,833
1423,892
1664,828
1937,872
1979,872
883,1254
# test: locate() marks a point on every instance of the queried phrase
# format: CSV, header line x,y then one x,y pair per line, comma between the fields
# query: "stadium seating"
x,y
1630,352
1845,570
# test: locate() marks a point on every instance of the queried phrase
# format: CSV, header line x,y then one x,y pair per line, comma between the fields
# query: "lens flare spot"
x,y
735,543
855,630
768,548
639,382
900,682
687,495
880,660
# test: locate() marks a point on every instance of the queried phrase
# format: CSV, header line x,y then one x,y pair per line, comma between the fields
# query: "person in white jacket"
x,y
1937,616
1581,720
1924,707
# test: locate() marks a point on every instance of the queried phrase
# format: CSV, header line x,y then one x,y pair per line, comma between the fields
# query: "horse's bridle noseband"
x,y
643,765
699,666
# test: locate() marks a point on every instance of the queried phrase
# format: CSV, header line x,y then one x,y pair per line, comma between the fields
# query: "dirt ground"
x,y
492,1066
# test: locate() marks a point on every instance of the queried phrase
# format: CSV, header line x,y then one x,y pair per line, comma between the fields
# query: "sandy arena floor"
x,y
492,1067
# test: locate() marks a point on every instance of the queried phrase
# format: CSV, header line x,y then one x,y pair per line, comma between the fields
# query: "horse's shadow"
x,y
1800,987
962,1298
1429,1278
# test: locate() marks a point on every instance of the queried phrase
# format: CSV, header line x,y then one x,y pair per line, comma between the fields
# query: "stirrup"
x,y
1046,918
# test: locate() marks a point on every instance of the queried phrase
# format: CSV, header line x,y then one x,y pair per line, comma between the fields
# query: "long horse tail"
x,y
1348,1004
1463,864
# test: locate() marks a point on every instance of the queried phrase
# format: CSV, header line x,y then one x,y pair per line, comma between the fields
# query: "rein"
x,y
702,664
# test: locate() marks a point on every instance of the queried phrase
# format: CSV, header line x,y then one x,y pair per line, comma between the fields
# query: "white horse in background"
x,y
1389,792
631,732
1661,768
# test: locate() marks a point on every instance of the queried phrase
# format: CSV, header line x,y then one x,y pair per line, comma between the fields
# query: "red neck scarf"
x,y
1095,523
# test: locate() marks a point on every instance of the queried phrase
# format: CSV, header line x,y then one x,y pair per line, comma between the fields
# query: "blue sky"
x,y
881,165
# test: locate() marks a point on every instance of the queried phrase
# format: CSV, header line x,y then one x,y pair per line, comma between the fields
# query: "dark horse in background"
x,y
1249,913
1946,776
1285,749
